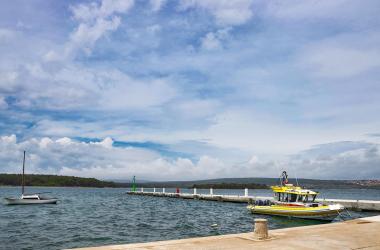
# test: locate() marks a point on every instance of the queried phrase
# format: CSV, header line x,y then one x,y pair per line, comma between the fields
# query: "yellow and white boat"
x,y
294,201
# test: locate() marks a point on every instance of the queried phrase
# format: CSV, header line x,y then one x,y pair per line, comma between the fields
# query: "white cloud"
x,y
48,127
226,12
101,160
194,108
347,160
252,131
3,103
6,35
154,169
337,60
327,161
65,141
52,56
85,36
8,80
339,13
156,5
154,29
11,139
45,142
92,11
299,9
210,42
23,26
124,92
214,40
95,21
254,159
79,87
106,142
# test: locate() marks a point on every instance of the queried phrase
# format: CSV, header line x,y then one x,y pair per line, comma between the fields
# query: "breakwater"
x,y
356,205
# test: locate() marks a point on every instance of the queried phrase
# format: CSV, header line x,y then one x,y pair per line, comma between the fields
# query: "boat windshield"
x,y
306,198
286,197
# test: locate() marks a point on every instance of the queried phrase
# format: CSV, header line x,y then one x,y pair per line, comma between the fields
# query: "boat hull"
x,y
327,213
16,201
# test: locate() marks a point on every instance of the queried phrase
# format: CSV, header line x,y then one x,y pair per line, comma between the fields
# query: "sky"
x,y
191,89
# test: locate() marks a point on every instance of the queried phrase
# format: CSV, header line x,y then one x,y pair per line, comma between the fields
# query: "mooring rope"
x,y
348,213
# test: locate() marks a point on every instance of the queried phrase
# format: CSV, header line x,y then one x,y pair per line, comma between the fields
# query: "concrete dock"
x,y
357,205
361,233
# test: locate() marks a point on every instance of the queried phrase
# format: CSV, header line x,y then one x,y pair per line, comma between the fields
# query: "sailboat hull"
x,y
16,201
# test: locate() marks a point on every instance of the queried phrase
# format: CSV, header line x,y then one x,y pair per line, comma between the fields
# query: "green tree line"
x,y
54,181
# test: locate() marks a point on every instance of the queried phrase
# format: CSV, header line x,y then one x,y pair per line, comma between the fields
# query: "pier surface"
x,y
358,205
361,233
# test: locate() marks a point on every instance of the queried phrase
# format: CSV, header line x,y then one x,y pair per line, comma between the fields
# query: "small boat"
x,y
294,201
29,199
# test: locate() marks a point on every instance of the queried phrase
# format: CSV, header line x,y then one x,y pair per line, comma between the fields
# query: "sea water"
x,y
102,216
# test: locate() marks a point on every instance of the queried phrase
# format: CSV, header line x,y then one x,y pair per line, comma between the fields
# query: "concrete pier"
x,y
361,233
357,205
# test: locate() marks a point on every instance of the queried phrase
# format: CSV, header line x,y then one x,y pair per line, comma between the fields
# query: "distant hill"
x,y
54,181
126,180
223,183
265,183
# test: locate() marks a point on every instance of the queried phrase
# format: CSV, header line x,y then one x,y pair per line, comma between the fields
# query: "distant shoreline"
x,y
1,186
33,180
14,180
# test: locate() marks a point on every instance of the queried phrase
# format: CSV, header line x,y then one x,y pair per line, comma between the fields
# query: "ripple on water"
x,y
92,217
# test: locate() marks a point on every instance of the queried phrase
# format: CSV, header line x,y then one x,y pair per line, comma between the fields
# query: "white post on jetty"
x,y
246,192
163,190
211,191
154,190
195,191
142,190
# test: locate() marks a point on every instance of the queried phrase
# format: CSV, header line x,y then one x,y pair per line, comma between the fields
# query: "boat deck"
x,y
355,234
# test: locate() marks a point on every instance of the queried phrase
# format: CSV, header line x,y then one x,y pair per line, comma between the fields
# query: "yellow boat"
x,y
294,201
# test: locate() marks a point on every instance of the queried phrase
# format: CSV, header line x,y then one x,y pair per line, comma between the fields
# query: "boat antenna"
x,y
23,175
295,174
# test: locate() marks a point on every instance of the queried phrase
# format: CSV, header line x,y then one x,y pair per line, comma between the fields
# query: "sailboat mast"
x,y
23,174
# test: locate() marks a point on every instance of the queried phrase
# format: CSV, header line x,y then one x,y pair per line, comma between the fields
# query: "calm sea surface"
x,y
94,217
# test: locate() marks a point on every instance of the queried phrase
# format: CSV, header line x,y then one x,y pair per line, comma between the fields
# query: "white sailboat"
x,y
29,199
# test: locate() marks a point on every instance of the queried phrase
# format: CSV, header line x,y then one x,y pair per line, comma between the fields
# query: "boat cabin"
x,y
30,197
290,193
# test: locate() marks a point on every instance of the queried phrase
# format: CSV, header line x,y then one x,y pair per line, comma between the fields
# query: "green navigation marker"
x,y
134,184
